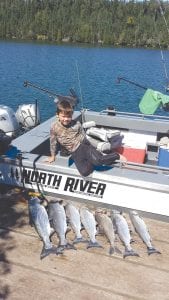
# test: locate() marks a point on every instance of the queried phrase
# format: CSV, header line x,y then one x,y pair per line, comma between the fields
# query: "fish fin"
x,y
60,249
116,237
114,249
79,240
70,246
93,245
60,201
67,246
100,230
111,250
152,250
130,253
45,252
52,232
117,250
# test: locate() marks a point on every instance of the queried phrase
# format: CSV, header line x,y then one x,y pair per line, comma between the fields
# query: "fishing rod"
x,y
163,15
132,82
78,77
161,51
164,106
80,90
28,83
72,98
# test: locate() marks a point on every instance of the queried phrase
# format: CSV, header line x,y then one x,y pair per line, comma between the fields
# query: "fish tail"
x,y
111,250
67,246
52,232
99,231
60,249
130,253
114,249
79,240
47,251
152,250
93,245
70,246
117,250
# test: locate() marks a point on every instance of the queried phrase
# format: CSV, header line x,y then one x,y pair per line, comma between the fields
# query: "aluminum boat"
x,y
141,184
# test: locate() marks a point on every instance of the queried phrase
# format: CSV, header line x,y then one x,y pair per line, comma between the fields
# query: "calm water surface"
x,y
55,68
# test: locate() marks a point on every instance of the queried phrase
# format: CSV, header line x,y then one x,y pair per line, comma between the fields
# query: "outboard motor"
x,y
8,121
28,115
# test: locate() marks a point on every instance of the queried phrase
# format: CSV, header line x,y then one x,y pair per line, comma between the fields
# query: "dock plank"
x,y
80,274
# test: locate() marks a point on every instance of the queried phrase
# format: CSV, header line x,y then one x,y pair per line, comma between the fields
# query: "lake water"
x,y
91,71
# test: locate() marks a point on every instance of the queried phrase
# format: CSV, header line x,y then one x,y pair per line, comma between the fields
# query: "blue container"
x,y
163,157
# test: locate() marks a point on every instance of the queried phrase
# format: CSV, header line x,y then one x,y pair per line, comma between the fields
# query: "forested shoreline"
x,y
104,22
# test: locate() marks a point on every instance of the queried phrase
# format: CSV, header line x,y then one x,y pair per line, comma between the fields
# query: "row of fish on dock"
x,y
58,218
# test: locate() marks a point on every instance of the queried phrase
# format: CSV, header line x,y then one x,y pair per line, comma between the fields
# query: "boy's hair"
x,y
64,107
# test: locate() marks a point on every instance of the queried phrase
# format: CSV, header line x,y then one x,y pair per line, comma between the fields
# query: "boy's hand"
x,y
123,159
50,159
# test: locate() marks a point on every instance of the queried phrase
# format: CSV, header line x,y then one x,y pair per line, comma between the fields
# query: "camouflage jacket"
x,y
69,137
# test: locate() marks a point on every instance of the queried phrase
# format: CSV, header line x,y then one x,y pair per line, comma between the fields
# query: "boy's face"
x,y
65,119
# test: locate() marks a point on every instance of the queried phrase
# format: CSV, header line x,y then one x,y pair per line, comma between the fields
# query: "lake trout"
x,y
107,226
123,232
89,224
73,216
58,217
141,228
39,218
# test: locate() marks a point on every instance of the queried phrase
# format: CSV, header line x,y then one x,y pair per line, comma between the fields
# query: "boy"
x,y
69,133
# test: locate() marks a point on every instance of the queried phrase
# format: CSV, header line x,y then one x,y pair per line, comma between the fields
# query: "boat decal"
x,y
85,186
53,181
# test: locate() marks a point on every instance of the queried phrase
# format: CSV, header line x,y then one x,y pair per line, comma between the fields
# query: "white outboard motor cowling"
x,y
28,115
8,121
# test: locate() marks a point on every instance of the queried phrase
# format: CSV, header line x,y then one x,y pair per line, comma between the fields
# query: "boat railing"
x,y
142,116
143,167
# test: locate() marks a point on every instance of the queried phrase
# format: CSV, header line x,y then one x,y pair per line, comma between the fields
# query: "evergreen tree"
x,y
118,22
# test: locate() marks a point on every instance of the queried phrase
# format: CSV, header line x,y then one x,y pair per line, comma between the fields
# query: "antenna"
x,y
81,98
161,51
162,13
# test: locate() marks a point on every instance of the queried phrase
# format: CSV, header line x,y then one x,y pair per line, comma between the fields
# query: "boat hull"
x,y
137,186
104,189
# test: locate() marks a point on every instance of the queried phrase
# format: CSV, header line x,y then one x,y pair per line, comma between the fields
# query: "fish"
x,y
39,218
58,218
141,229
73,216
89,223
123,232
107,226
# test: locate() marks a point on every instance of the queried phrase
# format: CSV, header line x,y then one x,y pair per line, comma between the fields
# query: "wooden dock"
x,y
78,274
